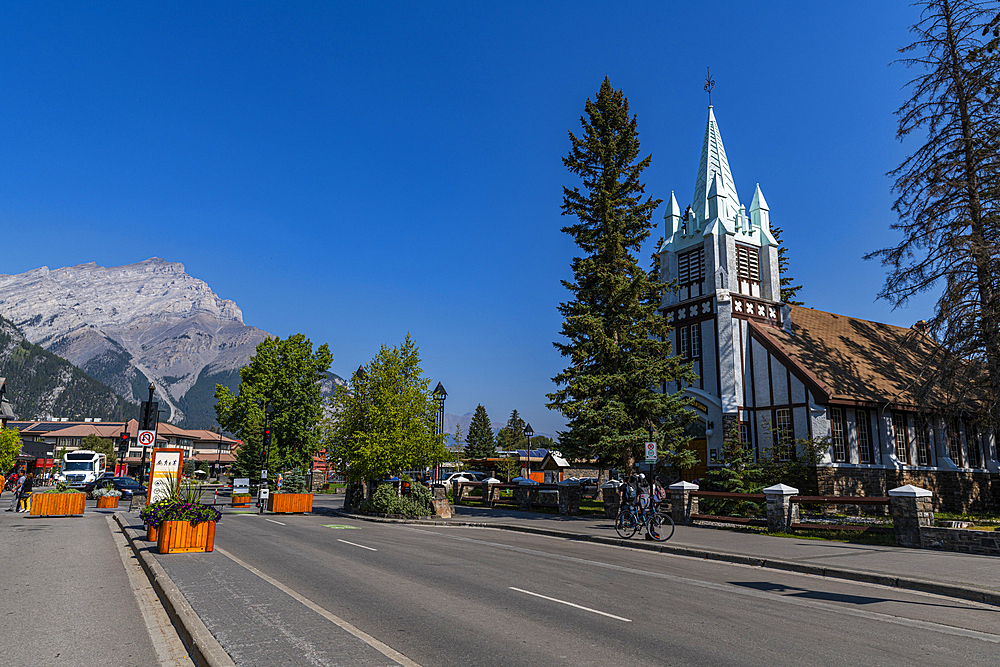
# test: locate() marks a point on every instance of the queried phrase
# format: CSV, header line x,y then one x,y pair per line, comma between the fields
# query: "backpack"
x,y
659,493
629,493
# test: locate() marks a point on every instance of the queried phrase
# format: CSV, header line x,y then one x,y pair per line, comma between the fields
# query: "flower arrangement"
x,y
106,491
174,509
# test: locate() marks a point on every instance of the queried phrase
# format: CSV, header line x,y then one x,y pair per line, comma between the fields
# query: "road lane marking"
x,y
571,604
356,545
739,590
338,526
273,521
384,649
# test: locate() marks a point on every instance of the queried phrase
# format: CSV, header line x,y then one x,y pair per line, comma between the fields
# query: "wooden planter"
x,y
57,504
285,503
241,500
107,502
180,537
152,533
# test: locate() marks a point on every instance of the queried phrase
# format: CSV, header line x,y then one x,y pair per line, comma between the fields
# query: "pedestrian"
x,y
17,494
3,482
25,496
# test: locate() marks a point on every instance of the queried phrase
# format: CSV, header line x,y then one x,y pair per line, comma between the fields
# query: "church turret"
x,y
672,217
759,212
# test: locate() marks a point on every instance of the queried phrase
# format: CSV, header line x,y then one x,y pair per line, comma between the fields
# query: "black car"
x,y
126,485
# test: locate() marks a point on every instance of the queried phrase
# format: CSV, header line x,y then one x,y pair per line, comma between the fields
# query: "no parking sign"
x,y
650,452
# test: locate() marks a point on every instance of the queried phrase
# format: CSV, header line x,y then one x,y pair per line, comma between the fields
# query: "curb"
x,y
205,650
906,583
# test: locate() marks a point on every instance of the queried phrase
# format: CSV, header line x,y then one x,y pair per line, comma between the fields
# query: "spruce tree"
x,y
788,289
479,444
616,340
511,436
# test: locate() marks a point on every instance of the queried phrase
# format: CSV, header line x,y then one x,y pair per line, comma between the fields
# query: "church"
x,y
779,373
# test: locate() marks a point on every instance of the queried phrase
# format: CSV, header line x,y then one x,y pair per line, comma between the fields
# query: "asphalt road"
x,y
464,596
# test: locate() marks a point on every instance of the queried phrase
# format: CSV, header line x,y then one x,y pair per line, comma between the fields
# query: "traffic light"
x,y
123,443
266,446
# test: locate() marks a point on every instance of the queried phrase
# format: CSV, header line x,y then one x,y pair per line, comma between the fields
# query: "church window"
x,y
899,437
748,269
865,454
923,446
695,341
682,333
973,440
954,444
837,434
691,267
784,435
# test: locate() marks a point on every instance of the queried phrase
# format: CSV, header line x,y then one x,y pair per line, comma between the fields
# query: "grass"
x,y
978,518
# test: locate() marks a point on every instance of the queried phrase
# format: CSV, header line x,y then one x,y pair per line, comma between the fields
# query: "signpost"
x,y
241,486
164,472
650,452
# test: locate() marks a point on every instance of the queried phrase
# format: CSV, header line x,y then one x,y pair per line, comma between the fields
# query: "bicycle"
x,y
631,519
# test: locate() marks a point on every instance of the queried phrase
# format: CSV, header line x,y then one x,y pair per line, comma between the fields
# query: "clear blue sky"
x,y
357,171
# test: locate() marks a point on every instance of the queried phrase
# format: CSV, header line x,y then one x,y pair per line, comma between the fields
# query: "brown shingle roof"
x,y
847,359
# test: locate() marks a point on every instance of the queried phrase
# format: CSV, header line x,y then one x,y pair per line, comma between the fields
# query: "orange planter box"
x,y
57,504
285,503
180,537
242,500
107,502
152,533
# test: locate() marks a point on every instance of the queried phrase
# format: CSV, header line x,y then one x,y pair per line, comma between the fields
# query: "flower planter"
x,y
57,504
152,533
179,537
107,502
241,500
286,503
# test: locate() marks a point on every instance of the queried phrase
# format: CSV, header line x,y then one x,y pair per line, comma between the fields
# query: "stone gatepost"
x,y
570,495
682,503
526,495
490,492
781,512
440,502
612,499
911,509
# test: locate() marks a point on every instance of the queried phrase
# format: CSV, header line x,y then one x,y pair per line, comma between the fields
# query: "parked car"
x,y
469,475
126,485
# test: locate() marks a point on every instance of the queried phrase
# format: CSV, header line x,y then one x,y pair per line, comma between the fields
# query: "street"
x,y
465,596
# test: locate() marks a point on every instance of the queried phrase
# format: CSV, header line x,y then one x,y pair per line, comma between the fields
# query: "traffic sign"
x,y
650,452
263,474
147,438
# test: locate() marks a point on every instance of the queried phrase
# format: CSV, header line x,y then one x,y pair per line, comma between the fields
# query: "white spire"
x,y
672,218
759,212
713,162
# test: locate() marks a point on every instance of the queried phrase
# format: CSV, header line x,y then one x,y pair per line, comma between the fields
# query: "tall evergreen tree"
x,y
788,289
948,203
479,444
511,436
616,340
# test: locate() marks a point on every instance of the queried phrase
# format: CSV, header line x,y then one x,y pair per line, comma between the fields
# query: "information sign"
x,y
650,452
263,493
241,486
164,473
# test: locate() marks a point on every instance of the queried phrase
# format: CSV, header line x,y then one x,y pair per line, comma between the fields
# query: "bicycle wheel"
x,y
626,524
660,527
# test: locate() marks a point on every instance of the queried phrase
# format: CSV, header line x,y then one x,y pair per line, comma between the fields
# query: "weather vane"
x,y
709,84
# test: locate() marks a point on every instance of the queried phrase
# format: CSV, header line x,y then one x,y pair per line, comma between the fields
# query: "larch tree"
x,y
615,338
948,204
479,443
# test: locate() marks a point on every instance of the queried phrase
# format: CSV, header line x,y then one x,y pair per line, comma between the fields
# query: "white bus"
x,y
81,467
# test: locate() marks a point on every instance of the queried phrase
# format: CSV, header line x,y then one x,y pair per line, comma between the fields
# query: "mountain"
x,y
41,384
131,325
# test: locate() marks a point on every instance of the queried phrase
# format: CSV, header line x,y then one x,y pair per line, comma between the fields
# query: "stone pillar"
x,y
911,509
440,501
612,499
490,492
682,503
526,495
570,495
781,512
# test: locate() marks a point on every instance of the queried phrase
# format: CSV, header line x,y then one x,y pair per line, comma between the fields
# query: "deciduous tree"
x,y
100,445
10,447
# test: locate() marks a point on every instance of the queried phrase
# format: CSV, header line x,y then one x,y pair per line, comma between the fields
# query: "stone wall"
x,y
982,542
954,491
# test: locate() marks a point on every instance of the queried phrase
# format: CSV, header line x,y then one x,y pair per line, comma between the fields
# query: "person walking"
x,y
3,483
17,494
25,496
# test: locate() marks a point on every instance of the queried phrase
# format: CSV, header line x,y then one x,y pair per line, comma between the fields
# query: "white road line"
x,y
739,590
356,545
571,604
384,649
168,646
273,521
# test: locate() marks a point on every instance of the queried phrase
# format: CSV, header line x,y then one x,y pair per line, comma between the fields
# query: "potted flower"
x,y
292,497
107,496
180,523
60,500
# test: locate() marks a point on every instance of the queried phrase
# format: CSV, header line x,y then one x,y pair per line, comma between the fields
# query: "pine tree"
x,y
511,436
479,444
948,205
616,339
788,290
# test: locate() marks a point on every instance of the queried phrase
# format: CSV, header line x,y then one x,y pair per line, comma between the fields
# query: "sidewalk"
x,y
965,576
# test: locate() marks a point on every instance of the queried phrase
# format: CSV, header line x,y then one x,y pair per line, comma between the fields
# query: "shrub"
x,y
62,487
293,482
385,501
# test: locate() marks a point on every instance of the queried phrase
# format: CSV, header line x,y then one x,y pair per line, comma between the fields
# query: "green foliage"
x,y
479,444
104,446
383,421
788,290
10,447
386,501
511,436
288,375
508,467
62,487
106,490
619,354
173,509
294,482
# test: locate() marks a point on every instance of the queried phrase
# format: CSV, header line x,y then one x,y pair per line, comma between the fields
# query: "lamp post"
x,y
527,451
264,456
439,395
218,463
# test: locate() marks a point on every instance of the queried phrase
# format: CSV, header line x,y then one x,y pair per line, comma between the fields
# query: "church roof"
x,y
846,359
713,161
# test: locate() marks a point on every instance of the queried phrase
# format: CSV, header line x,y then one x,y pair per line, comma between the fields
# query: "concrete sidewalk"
x,y
965,576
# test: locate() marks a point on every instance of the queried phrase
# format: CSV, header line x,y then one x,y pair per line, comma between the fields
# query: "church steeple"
x,y
713,162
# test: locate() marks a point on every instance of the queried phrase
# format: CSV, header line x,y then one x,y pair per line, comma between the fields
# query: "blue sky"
x,y
357,171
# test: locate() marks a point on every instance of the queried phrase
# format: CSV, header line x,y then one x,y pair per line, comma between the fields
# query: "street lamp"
x,y
527,451
439,395
264,456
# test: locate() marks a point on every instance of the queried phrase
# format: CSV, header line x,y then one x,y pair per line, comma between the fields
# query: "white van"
x,y
81,467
